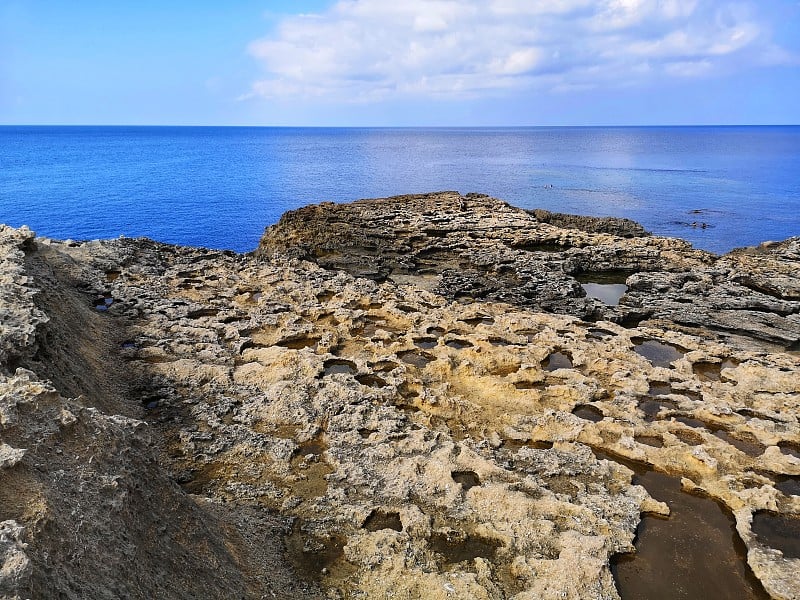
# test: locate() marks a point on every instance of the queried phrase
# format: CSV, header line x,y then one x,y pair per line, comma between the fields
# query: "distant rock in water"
x,y
613,225
401,397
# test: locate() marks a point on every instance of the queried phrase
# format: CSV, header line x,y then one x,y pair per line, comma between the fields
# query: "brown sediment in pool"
x,y
778,531
694,553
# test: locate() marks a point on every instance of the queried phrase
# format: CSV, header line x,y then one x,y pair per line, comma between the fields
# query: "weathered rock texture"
x,y
376,404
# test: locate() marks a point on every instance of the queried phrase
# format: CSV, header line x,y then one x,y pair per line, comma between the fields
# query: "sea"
x,y
219,187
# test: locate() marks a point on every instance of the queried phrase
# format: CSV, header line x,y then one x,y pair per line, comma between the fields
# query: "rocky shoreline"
x,y
405,397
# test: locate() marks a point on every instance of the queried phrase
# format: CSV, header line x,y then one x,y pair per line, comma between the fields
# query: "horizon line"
x,y
242,126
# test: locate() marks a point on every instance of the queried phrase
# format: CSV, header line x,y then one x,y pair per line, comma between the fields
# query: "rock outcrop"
x,y
400,398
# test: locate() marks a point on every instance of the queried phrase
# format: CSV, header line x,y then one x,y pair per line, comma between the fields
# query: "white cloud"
x,y
365,50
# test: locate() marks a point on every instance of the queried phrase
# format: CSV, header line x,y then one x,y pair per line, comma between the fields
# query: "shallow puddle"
x,y
336,365
102,303
418,359
425,343
588,413
749,445
458,344
651,408
781,532
312,555
557,360
708,371
607,293
695,553
597,333
787,484
658,353
659,389
790,449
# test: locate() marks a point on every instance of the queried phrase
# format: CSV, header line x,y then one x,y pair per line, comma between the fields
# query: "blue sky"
x,y
400,63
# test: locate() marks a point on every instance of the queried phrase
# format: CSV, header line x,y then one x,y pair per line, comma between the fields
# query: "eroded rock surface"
x,y
398,417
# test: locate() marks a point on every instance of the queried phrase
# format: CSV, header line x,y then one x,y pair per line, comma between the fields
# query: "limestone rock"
x,y
379,402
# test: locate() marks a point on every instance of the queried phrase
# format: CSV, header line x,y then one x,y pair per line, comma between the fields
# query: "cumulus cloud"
x,y
364,50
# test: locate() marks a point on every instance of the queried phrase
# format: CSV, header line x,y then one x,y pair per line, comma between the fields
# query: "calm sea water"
x,y
219,186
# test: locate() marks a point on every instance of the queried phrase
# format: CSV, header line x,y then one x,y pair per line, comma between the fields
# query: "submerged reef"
x,y
430,396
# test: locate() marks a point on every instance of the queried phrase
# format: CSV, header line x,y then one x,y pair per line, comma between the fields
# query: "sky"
x,y
400,62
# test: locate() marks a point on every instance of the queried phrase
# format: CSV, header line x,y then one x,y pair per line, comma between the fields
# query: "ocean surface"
x,y
718,187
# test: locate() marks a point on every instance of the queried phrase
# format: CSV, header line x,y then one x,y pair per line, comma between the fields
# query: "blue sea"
x,y
220,186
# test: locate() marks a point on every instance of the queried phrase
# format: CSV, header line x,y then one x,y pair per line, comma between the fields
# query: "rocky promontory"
x,y
432,396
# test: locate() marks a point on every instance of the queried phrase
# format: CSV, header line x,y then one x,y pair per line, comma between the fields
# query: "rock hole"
x,y
379,519
113,275
526,246
650,440
514,445
456,547
325,296
478,320
384,366
371,380
436,331
688,437
690,422
202,312
496,341
610,277
467,479
298,342
529,385
505,370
